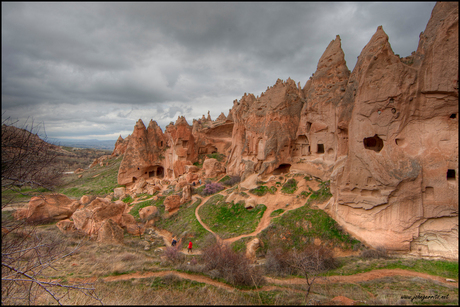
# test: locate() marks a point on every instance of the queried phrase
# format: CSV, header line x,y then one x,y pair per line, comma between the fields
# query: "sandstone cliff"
x,y
386,135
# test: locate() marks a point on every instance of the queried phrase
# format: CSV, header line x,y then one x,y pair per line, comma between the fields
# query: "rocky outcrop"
x,y
146,212
265,129
212,168
385,135
110,232
48,208
171,202
120,146
90,218
398,186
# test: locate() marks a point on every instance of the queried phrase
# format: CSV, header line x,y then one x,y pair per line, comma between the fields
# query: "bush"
x,y
259,191
222,262
312,259
289,187
173,255
211,188
232,181
379,252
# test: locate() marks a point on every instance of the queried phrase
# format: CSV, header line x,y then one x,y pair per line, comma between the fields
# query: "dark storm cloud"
x,y
95,68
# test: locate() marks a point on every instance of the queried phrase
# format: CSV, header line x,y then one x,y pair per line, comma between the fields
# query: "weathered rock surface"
x,y
171,202
212,168
110,232
90,218
145,212
385,135
48,208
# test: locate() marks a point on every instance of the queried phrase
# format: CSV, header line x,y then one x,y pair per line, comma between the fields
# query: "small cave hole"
x,y
450,174
392,100
399,142
320,149
308,127
373,143
161,143
282,169
453,116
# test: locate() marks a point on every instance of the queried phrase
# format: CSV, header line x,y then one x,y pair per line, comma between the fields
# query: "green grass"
x,y
355,265
128,199
229,219
276,212
300,226
227,177
259,191
98,180
135,210
290,186
323,193
219,157
262,190
185,221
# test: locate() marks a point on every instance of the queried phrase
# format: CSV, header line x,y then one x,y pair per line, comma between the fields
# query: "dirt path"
x,y
360,277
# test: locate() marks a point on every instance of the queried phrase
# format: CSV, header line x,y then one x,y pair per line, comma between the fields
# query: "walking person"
x,y
190,247
174,242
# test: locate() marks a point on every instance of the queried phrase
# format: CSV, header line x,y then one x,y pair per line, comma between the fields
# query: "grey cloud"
x,y
94,62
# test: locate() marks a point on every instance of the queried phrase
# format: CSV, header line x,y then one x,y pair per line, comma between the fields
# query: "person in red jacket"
x,y
190,247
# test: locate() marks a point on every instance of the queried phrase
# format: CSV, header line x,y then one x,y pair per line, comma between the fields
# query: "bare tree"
x,y
310,262
28,161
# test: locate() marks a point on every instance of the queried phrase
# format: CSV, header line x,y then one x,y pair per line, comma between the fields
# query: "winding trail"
x,y
272,203
276,282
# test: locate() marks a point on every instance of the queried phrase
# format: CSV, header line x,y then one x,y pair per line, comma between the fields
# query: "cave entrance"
x,y
282,169
373,143
450,174
157,171
320,149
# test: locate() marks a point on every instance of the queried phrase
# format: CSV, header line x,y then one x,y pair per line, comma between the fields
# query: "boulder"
x,y
66,226
186,194
110,232
145,212
172,202
119,192
212,168
47,208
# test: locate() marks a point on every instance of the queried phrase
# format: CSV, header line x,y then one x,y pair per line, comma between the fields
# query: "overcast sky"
x,y
91,70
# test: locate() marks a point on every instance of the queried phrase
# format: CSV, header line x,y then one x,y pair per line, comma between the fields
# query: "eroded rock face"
x,y
212,168
386,135
110,232
48,208
171,202
90,218
398,186
265,129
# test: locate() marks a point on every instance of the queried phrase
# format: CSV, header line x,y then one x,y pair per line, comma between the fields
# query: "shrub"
x,y
232,181
312,259
234,267
212,188
379,252
290,186
259,191
173,255
128,199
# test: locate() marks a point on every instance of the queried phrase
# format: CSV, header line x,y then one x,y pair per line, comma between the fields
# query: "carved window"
x,y
450,174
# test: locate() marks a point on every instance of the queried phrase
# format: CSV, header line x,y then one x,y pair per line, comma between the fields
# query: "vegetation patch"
x,y
259,191
300,226
229,219
185,221
276,212
98,180
290,186
128,199
219,157
323,193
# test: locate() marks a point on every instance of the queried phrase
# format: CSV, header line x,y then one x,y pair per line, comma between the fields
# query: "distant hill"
x,y
91,143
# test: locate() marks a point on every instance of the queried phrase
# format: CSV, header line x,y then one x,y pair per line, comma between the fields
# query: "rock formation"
x,y
48,208
386,135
